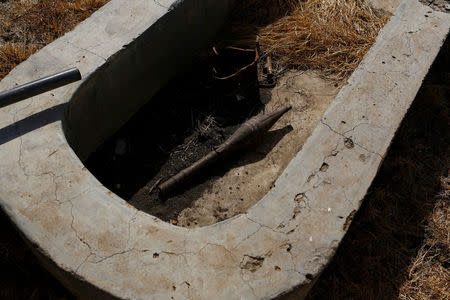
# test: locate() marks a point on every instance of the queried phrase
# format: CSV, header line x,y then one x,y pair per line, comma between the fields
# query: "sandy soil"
x,y
254,174
186,121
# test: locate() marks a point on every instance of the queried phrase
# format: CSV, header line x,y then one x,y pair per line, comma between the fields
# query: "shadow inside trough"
x,y
375,259
181,124
187,119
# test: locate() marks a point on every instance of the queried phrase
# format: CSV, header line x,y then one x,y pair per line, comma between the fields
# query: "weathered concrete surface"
x,y
89,237
149,58
387,5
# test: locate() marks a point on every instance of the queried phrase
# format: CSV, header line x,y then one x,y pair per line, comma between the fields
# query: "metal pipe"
x,y
243,136
39,86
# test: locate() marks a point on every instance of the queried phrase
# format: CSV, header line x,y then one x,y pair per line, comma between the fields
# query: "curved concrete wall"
x,y
98,245
132,75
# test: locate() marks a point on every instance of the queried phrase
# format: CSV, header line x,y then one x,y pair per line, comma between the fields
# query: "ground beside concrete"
x,y
398,245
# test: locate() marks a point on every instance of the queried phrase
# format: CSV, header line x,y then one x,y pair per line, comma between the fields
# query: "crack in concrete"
x,y
83,262
179,254
93,252
87,50
190,275
160,5
385,74
220,246
21,165
103,258
53,175
132,219
263,225
334,152
350,204
364,123
247,237
76,232
188,285
350,137
294,265
286,242
314,186
393,81
420,26
19,134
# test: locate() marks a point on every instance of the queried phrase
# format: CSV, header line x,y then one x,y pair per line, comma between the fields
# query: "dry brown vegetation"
x,y
428,275
28,25
327,35
12,54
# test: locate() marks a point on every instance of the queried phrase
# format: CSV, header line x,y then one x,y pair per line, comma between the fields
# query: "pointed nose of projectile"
x,y
268,120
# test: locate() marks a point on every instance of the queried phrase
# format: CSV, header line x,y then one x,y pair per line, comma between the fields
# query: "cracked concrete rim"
x,y
97,244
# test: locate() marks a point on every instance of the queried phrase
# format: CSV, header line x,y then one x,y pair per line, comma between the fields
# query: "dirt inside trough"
x,y
190,117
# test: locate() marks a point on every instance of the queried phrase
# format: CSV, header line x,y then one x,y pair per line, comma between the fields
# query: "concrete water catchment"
x,y
97,244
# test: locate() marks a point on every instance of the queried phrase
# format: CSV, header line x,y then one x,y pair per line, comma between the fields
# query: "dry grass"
x,y
327,35
26,26
12,54
428,276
